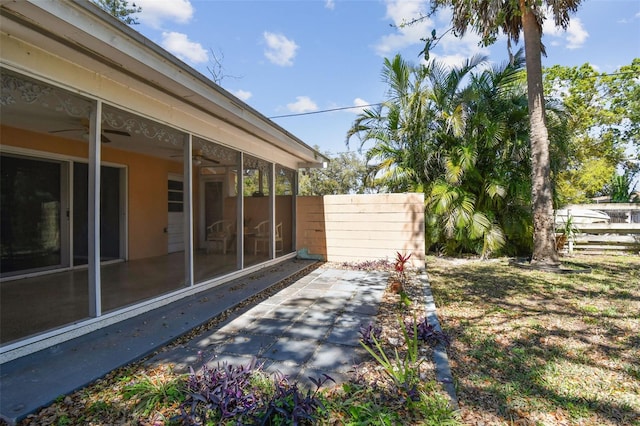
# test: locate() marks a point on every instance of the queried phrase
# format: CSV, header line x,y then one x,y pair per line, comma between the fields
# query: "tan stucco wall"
x,y
146,185
354,228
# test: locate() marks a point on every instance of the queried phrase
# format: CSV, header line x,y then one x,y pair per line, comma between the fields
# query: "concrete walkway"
x,y
308,327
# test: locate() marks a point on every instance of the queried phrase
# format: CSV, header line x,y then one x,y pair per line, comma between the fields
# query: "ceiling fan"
x,y
85,129
198,157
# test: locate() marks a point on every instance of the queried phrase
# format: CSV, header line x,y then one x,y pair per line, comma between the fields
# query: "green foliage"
x,y
604,122
461,138
489,18
153,391
514,18
64,421
120,9
360,405
346,173
622,190
569,229
402,370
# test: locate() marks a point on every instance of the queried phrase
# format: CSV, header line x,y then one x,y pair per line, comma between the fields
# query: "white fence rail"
x,y
622,233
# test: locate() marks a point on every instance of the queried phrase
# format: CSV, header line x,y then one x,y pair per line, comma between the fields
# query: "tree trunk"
x,y
544,250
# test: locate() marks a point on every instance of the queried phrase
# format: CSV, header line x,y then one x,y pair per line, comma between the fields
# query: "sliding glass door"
x,y
33,215
111,206
39,220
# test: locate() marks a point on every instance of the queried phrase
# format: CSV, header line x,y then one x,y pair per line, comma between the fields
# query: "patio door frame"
x,y
67,208
65,220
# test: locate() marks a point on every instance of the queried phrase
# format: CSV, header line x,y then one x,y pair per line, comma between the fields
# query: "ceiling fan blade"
x,y
103,138
117,132
197,156
65,130
211,160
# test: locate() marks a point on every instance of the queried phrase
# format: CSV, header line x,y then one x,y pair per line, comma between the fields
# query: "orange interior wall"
x,y
146,185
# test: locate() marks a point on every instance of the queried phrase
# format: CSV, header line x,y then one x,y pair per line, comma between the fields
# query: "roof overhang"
x,y
90,37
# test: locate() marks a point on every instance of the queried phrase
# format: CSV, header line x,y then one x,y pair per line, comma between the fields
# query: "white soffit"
x,y
92,37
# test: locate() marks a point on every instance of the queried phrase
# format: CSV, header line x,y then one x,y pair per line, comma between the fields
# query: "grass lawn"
x,y
541,348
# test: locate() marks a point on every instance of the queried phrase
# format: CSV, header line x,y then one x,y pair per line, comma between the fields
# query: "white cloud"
x,y
243,94
449,49
155,12
330,4
280,50
453,60
549,28
180,45
630,20
399,12
302,104
575,35
361,104
466,46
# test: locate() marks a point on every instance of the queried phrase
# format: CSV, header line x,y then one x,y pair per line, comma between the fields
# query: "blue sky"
x,y
303,56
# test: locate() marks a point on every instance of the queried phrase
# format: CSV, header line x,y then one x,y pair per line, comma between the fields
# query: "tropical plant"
x,y
241,394
481,200
368,333
426,332
516,18
622,189
290,406
568,232
400,280
402,370
400,129
151,391
220,392
462,138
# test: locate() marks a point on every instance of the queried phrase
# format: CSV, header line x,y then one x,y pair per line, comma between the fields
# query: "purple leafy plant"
x,y
225,390
226,394
426,332
289,405
368,333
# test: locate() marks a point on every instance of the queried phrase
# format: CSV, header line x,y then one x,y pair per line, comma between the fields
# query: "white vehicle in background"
x,y
580,216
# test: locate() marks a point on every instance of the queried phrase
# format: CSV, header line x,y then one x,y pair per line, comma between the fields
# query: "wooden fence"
x,y
355,228
621,234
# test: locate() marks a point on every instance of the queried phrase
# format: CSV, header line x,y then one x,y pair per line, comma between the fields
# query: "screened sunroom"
x,y
128,179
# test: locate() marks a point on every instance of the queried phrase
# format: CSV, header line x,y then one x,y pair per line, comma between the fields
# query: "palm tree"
x,y
463,145
486,172
398,127
488,17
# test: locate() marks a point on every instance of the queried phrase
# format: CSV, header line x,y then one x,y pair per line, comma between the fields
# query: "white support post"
x,y
272,210
240,242
95,132
187,206
570,236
